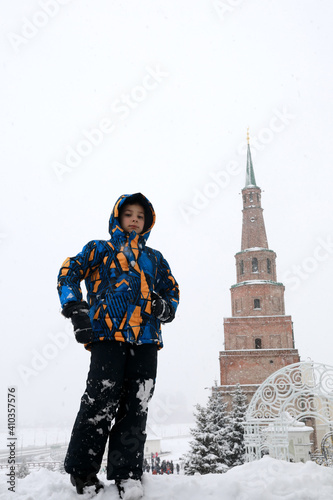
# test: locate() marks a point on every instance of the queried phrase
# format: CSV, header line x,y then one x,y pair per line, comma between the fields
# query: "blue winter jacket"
x,y
120,275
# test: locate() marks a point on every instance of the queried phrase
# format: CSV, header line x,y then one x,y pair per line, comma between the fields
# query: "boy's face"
x,y
132,218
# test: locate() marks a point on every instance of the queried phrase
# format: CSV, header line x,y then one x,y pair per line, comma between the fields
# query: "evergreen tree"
x,y
219,424
62,468
236,428
209,448
23,470
199,458
50,466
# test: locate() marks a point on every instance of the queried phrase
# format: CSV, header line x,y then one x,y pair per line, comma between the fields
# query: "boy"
x,y
130,292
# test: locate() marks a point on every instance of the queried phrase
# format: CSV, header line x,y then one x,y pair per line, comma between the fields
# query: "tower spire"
x,y
253,231
250,178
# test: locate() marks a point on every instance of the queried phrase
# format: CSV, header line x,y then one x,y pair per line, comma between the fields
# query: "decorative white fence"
x,y
299,391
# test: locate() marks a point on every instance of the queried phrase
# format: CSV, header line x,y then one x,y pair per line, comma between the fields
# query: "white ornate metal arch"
x,y
300,390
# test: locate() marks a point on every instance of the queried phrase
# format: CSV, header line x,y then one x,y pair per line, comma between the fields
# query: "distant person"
x,y
130,292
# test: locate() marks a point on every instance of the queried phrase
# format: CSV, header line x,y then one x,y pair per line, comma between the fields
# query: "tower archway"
x,y
298,394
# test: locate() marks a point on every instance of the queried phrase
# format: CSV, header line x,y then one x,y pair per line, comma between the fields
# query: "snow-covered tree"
x,y
217,411
50,466
198,460
23,470
62,468
209,447
236,429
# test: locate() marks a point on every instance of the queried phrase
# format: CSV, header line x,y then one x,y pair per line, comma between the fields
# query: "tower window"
x,y
256,303
244,198
258,197
269,266
254,265
251,196
241,266
257,343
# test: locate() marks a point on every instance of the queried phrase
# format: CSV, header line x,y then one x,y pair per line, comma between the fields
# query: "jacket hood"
x,y
125,199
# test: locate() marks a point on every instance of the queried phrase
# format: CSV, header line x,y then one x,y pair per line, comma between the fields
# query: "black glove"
x,y
161,309
78,313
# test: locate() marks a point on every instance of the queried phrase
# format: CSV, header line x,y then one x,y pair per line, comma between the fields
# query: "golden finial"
x,y
248,135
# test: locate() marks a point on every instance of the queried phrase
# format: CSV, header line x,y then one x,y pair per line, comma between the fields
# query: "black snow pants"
x,y
120,383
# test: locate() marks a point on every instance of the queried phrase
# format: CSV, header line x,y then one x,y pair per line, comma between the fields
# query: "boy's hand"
x,y
78,313
161,309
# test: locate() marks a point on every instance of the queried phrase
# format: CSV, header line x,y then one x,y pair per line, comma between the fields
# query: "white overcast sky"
x,y
172,87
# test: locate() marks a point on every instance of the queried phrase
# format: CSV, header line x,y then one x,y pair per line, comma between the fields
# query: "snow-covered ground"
x,y
267,479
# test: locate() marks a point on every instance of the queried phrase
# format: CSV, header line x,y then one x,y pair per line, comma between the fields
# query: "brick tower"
x,y
258,337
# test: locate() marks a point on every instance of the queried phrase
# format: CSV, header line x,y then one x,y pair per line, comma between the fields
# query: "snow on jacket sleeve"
x,y
166,286
75,269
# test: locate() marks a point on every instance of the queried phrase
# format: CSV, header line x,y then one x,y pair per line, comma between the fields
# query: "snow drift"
x,y
266,479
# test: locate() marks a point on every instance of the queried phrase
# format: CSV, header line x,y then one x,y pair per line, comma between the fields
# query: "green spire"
x,y
250,178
